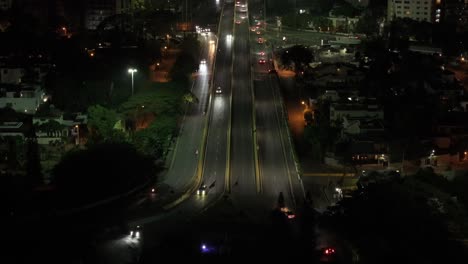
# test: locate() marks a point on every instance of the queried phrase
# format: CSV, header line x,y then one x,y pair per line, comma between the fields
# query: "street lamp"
x,y
132,71
77,131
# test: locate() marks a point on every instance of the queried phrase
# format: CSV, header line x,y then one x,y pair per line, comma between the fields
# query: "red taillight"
x,y
329,251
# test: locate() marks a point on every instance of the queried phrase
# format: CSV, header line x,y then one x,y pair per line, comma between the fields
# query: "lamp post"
x,y
77,139
132,71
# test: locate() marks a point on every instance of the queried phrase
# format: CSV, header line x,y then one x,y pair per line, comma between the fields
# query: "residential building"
x,y
98,10
14,129
356,110
358,125
54,126
367,151
16,74
344,24
419,10
335,75
11,74
21,98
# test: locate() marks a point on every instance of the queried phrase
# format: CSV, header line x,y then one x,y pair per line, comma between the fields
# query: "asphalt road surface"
x,y
242,156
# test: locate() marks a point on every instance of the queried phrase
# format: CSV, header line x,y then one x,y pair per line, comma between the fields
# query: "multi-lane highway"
x,y
277,169
195,162
244,183
235,141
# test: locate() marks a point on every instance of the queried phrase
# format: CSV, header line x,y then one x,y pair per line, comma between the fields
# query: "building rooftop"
x,y
357,107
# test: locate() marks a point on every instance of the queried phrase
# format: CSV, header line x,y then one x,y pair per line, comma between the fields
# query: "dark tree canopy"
x,y
394,222
101,171
298,55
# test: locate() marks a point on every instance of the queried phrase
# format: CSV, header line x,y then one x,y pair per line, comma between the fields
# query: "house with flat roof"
x,y
22,98
356,110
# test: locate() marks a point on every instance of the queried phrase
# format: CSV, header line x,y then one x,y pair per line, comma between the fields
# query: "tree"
x,y
388,222
459,186
298,55
191,46
278,7
153,51
158,99
311,135
368,24
159,23
50,126
322,135
33,163
99,172
184,66
345,9
155,140
321,7
101,122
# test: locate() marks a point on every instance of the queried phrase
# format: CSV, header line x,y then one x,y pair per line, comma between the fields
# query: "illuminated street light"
x,y
132,71
77,131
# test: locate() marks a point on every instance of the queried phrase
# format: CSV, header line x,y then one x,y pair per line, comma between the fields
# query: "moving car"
x,y
238,22
271,71
328,255
218,90
260,40
135,232
203,61
202,190
261,61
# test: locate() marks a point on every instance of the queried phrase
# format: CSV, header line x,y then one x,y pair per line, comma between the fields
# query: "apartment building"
x,y
98,10
419,10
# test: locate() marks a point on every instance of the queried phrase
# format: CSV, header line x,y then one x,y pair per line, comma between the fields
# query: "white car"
x,y
218,90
